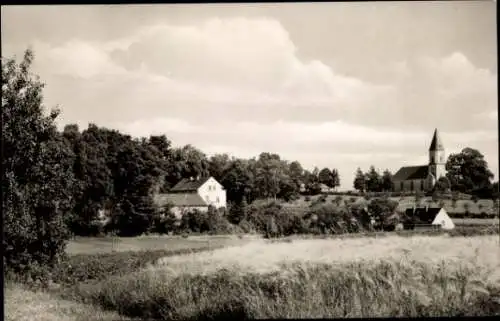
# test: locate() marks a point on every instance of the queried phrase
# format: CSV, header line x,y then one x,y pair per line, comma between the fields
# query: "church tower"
x,y
437,161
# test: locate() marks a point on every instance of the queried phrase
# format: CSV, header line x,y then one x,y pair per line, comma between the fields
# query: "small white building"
x,y
431,216
193,193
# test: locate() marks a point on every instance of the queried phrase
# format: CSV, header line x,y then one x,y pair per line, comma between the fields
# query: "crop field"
x,y
251,277
298,278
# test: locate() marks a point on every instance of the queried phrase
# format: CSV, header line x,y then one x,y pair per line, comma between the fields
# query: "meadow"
x,y
250,277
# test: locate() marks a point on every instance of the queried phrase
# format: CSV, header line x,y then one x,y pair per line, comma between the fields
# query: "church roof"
x,y
411,172
436,143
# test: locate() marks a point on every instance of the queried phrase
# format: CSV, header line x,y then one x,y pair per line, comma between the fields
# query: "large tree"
x,y
468,171
359,180
37,182
325,177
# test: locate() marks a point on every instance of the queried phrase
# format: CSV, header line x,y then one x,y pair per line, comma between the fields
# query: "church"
x,y
423,178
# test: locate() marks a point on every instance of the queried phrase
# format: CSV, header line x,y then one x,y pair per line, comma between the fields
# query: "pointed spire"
x,y
436,143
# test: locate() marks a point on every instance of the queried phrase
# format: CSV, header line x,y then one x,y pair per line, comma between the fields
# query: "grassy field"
x,y
92,245
250,277
365,277
25,305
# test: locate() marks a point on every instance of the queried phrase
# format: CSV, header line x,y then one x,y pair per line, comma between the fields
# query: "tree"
x,y
238,181
325,177
381,209
468,171
387,183
359,180
442,185
37,182
238,211
373,180
218,165
335,178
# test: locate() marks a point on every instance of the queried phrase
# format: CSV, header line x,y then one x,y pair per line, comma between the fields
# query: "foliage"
x,y
468,172
387,182
381,209
359,180
37,183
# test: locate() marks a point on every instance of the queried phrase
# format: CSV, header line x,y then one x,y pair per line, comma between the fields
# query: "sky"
x,y
338,85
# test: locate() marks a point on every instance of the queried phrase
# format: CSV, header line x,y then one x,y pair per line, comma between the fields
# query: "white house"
x,y
194,193
431,216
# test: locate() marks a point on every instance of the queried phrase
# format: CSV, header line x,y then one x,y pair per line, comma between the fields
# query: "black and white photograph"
x,y
287,160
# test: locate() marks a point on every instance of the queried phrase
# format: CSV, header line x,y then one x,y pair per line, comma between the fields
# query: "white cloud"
x,y
76,58
227,84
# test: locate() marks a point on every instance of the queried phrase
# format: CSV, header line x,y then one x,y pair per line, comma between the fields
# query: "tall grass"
x,y
392,276
361,289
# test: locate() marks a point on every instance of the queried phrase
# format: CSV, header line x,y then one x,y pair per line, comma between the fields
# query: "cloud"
x,y
237,85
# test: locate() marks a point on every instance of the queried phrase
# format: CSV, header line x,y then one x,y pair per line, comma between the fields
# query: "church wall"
x,y
417,185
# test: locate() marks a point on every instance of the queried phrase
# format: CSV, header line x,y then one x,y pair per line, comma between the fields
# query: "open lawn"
x,y
360,277
25,305
93,245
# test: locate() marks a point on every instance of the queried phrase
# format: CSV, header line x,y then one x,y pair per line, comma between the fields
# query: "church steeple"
x,y
437,161
436,143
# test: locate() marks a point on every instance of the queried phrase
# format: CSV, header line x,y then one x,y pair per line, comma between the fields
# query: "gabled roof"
x,y
422,214
189,185
436,143
179,199
411,172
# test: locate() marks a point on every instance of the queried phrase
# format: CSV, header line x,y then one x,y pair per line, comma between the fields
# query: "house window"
x,y
217,200
411,186
402,185
422,185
